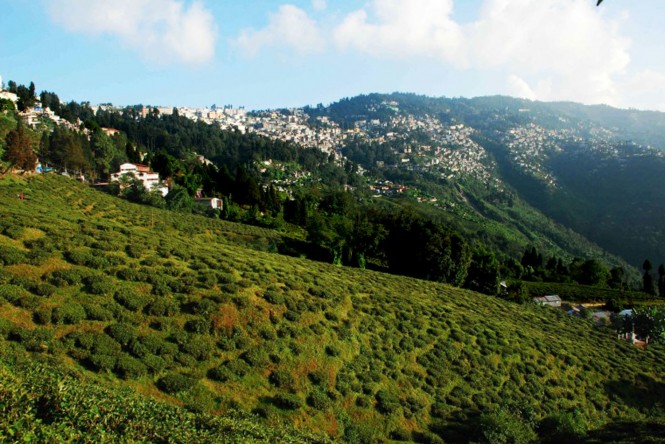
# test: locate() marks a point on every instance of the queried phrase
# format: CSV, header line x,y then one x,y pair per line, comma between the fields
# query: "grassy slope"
x,y
352,353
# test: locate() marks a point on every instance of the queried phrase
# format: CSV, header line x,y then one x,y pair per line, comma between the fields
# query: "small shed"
x,y
552,300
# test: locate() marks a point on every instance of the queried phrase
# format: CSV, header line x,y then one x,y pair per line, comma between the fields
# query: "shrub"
x,y
504,426
122,333
129,298
131,274
99,285
163,306
331,350
199,326
221,373
128,367
281,378
318,399
63,278
70,314
154,363
256,357
12,293
95,312
274,297
238,367
387,402
42,315
43,289
100,362
77,257
175,383
134,250
199,347
11,256
287,401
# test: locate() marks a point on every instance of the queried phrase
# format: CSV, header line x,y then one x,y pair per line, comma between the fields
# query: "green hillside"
x,y
199,313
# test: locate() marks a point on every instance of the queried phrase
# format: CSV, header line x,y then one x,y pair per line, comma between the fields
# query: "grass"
x,y
200,313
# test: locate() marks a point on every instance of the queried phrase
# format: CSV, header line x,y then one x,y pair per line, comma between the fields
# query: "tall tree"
x,y
661,280
647,279
19,149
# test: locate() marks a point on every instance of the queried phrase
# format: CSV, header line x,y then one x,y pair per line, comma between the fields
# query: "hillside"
x,y
199,313
594,170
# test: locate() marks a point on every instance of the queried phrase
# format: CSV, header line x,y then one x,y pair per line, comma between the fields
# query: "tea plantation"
x,y
119,321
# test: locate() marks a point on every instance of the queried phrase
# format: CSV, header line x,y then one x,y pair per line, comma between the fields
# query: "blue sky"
x,y
271,53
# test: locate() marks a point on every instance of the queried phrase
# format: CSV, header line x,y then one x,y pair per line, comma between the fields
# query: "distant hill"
x,y
198,313
596,170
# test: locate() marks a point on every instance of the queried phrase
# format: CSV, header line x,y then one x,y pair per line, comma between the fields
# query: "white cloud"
x,y
562,49
162,31
402,29
644,88
290,27
546,49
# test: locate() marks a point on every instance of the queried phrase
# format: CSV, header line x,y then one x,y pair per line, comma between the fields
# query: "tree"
x,y
483,275
647,279
617,278
179,199
12,87
19,149
661,280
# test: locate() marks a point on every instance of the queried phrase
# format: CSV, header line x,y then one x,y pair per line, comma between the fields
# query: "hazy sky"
x,y
271,53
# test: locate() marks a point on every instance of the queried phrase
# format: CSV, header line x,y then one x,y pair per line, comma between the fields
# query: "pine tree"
x,y
647,279
19,149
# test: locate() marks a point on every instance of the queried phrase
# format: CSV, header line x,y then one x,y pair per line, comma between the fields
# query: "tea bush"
x,y
129,298
71,314
175,383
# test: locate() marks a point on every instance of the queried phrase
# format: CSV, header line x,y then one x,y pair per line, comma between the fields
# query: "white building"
x,y
143,173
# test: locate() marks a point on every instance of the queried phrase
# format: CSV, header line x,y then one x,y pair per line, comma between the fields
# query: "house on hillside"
x,y
552,300
143,173
210,202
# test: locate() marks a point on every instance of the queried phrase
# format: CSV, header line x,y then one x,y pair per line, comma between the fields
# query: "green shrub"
x,y
281,378
175,383
163,306
128,367
287,401
199,347
129,298
387,402
238,367
504,426
134,250
11,256
42,315
43,289
154,363
100,362
96,312
221,373
122,333
77,257
99,285
63,278
318,399
256,357
131,274
198,326
13,293
331,350
70,314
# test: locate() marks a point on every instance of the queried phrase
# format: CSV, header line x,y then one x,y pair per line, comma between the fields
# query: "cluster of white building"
x,y
143,173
